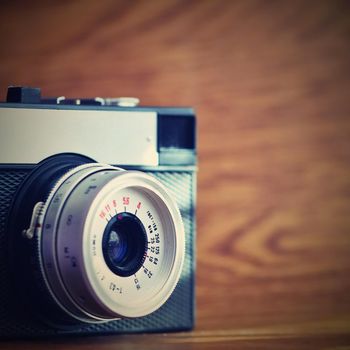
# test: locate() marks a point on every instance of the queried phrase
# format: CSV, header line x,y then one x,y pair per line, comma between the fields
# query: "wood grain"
x,y
270,82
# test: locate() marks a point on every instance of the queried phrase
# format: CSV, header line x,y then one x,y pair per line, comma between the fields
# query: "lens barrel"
x,y
110,243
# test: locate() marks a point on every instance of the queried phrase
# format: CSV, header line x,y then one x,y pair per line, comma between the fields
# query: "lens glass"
x,y
124,244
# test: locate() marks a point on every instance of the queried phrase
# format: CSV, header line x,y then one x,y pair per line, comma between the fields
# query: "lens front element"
x,y
124,244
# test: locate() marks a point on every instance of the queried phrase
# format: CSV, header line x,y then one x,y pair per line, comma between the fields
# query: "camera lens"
x,y
124,244
110,243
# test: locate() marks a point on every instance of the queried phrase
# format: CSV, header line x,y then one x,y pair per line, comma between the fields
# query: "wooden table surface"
x,y
270,81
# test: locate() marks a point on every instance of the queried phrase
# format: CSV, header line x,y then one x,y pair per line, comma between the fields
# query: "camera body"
x,y
38,135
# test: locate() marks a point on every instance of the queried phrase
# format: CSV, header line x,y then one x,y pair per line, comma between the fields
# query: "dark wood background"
x,y
270,82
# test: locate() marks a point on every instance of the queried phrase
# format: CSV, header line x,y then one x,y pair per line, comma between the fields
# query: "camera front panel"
x,y
176,314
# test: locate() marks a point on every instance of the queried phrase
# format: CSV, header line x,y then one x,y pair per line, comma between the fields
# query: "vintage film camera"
x,y
97,216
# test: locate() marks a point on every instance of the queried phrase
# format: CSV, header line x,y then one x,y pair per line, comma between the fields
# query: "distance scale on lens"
x,y
112,243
